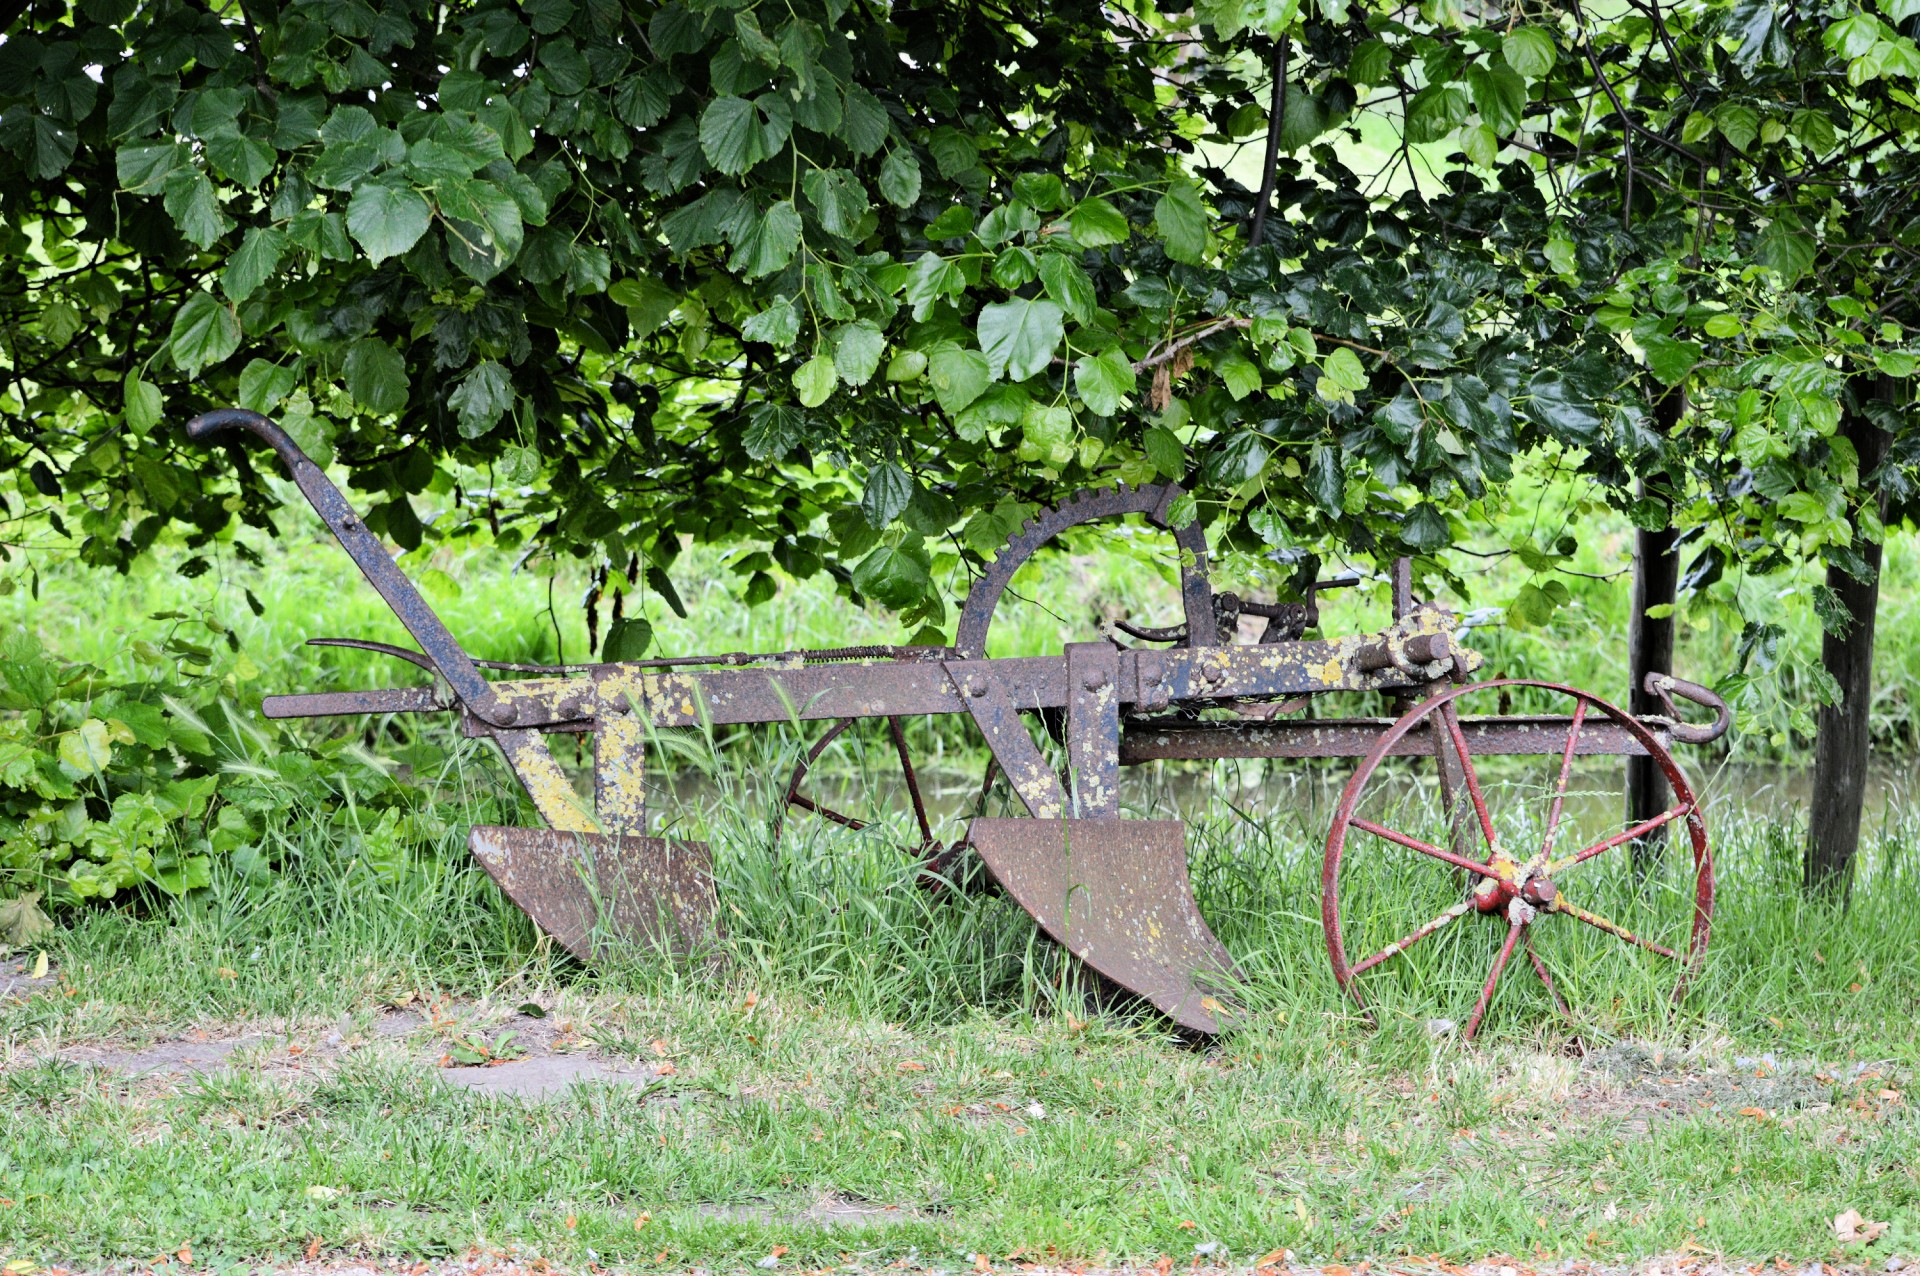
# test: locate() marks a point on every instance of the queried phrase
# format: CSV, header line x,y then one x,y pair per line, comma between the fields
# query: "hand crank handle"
x,y
372,558
1664,687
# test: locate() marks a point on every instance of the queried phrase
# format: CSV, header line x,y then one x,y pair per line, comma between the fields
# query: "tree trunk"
x,y
1841,742
1656,579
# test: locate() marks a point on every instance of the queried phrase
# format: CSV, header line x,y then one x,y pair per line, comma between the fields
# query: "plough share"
x,y
1113,891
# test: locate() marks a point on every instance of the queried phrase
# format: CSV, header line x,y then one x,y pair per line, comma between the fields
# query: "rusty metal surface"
x,y
1146,740
1154,500
1115,894
1093,728
978,684
330,704
590,891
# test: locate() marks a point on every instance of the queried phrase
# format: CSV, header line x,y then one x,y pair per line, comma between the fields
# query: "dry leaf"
x,y
40,965
981,1263
910,1065
1853,1229
22,922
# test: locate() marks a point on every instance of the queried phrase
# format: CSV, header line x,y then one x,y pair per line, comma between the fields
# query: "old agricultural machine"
x,y
1113,891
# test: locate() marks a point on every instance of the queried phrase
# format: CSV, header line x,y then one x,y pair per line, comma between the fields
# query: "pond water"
x,y
861,778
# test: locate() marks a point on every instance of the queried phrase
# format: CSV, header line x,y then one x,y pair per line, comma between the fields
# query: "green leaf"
x,y
895,576
253,262
205,332
778,324
627,639
190,201
376,376
144,170
772,431
1326,478
1271,17
1344,369
769,243
900,178
1020,336
142,404
1240,374
649,302
1739,124
481,397
957,376
838,199
1182,222
1069,285
856,352
1669,360
1095,223
1436,111
1164,449
1303,118
1500,94
864,126
888,490
1104,381
1425,528
239,158
1530,51
932,278
387,218
814,380
263,385
737,134
1784,247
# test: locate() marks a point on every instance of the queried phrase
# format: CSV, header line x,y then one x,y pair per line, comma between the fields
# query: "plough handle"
x,y
449,660
1664,687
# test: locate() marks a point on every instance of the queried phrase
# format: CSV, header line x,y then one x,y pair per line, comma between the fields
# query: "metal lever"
x,y
372,558
1664,687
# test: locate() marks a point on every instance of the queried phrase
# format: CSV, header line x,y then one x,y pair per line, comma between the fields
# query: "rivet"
x,y
508,714
976,686
1094,681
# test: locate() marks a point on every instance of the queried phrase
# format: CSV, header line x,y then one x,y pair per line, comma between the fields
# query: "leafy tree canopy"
x,y
859,286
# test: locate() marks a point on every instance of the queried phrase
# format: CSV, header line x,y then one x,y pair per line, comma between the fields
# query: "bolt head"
x,y
1539,892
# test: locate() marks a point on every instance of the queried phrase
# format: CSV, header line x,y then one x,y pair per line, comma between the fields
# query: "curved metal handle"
x,y
1664,687
372,558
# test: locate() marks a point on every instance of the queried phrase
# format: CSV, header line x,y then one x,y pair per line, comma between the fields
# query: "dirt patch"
x,y
545,1076
17,982
829,1211
171,1058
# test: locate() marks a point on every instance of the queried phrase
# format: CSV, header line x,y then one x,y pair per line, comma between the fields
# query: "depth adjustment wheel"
x,y
1623,894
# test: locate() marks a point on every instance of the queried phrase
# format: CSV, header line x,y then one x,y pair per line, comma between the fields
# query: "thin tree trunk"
x,y
1656,580
1841,741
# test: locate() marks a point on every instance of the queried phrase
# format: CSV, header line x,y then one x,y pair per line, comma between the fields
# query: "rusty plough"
x,y
1115,892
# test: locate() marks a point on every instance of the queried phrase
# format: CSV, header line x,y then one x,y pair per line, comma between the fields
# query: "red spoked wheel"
x,y
1529,840
939,861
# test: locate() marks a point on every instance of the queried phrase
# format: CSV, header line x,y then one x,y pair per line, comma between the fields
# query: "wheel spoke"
x,y
1560,788
1452,718
1561,905
806,803
1401,945
1638,831
1540,969
1425,848
1493,977
913,781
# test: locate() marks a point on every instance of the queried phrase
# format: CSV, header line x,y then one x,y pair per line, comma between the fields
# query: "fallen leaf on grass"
x,y
40,965
981,1263
1757,1114
1271,1258
910,1065
313,1249
1853,1229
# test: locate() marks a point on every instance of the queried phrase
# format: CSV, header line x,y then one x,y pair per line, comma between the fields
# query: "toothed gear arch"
x,y
1154,500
